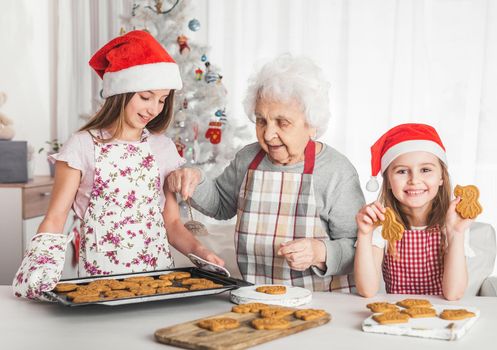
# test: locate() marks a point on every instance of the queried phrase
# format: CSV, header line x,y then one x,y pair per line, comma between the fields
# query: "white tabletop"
x,y
29,325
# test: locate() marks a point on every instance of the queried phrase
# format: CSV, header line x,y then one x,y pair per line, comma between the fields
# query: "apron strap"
x,y
309,158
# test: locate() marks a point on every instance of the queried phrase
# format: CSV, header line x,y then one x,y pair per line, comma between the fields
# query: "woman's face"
x,y
143,107
282,130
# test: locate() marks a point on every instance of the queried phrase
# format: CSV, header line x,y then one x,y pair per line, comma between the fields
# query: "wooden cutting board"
x,y
189,336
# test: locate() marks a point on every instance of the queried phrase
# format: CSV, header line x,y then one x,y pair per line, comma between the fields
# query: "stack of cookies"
x,y
270,317
112,289
387,313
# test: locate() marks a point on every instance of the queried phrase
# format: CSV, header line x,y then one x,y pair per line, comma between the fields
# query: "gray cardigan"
x,y
336,187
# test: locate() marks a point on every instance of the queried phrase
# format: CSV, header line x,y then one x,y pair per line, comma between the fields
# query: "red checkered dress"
x,y
418,266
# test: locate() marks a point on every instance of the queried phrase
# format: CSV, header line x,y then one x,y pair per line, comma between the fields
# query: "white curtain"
x,y
389,62
81,27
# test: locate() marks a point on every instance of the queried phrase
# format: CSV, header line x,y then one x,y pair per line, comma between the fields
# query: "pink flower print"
x,y
147,241
147,161
127,264
130,199
19,278
149,225
92,269
131,233
125,172
131,149
42,260
105,149
157,183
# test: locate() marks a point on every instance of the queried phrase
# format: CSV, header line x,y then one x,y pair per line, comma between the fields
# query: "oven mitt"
x,y
42,265
207,265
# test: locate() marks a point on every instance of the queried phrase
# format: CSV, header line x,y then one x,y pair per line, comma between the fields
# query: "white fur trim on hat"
x,y
152,76
412,146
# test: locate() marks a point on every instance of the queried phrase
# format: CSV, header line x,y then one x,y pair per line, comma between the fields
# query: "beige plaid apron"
x,y
276,207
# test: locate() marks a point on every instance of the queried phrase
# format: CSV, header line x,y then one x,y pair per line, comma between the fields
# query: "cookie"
x,y
391,230
391,317
167,290
420,312
310,314
65,287
459,314
408,303
199,286
219,324
89,293
177,275
86,299
250,307
271,289
118,294
138,279
468,207
144,291
382,307
188,281
270,323
276,312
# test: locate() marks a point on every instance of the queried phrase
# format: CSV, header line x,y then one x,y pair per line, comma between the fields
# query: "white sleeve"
x,y
378,240
467,248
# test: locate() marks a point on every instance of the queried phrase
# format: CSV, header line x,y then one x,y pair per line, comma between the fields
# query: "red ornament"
x,y
183,44
214,132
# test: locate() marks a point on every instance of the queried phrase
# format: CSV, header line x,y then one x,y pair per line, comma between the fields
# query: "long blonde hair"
x,y
439,204
112,114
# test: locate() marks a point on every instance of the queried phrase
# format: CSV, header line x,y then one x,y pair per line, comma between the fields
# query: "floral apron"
x,y
123,230
418,267
276,207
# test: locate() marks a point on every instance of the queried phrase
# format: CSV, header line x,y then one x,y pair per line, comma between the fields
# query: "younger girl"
x,y
112,173
430,257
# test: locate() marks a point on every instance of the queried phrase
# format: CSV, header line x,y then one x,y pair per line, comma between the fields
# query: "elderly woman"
x,y
295,198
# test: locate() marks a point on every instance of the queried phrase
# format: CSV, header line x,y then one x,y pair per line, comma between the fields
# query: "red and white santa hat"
x,y
403,138
135,62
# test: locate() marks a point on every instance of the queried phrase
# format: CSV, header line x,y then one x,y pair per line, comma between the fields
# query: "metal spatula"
x,y
195,227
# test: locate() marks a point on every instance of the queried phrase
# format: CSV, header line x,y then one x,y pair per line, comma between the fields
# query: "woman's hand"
x,y
454,223
206,254
184,181
302,253
368,216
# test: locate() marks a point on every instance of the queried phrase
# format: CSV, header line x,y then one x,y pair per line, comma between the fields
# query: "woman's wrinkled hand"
x,y
184,181
368,216
303,253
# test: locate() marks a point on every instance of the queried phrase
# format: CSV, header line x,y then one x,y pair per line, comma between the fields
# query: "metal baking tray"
x,y
228,283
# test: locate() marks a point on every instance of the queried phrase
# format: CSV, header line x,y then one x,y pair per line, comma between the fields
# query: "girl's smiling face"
x,y
415,179
143,107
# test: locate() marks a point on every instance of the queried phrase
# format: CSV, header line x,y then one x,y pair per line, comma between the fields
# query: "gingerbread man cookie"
x,y
392,230
468,207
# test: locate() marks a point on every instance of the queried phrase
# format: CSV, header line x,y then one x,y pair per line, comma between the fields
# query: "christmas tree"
x,y
204,134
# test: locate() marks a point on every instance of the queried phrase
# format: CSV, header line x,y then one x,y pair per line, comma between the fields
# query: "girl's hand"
x,y
208,255
368,216
302,253
184,181
454,223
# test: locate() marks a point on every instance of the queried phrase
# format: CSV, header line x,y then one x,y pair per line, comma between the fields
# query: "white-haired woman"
x,y
295,198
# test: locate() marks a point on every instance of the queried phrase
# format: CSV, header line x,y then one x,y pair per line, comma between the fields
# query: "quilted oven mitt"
x,y
42,265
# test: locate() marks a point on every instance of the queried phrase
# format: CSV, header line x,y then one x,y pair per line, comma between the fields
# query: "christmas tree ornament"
x,y
194,25
210,76
195,227
180,119
221,114
182,41
203,58
185,103
180,146
199,73
213,133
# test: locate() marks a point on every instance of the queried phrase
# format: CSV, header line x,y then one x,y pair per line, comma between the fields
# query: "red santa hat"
x,y
135,62
403,138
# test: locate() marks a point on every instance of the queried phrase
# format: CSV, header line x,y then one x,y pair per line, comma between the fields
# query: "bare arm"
x,y
368,259
179,237
455,277
65,186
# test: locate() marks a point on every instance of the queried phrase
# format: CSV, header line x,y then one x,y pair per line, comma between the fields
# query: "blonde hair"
x,y
112,114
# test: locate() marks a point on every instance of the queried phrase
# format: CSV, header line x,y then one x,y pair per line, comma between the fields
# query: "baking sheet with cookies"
x,y
142,287
427,327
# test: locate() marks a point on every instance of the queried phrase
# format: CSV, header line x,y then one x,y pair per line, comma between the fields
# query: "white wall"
x,y
25,70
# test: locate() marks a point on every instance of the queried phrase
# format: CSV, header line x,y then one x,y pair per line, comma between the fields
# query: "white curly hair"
x,y
288,78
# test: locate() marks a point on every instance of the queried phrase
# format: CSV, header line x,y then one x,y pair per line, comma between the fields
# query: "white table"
x,y
33,325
